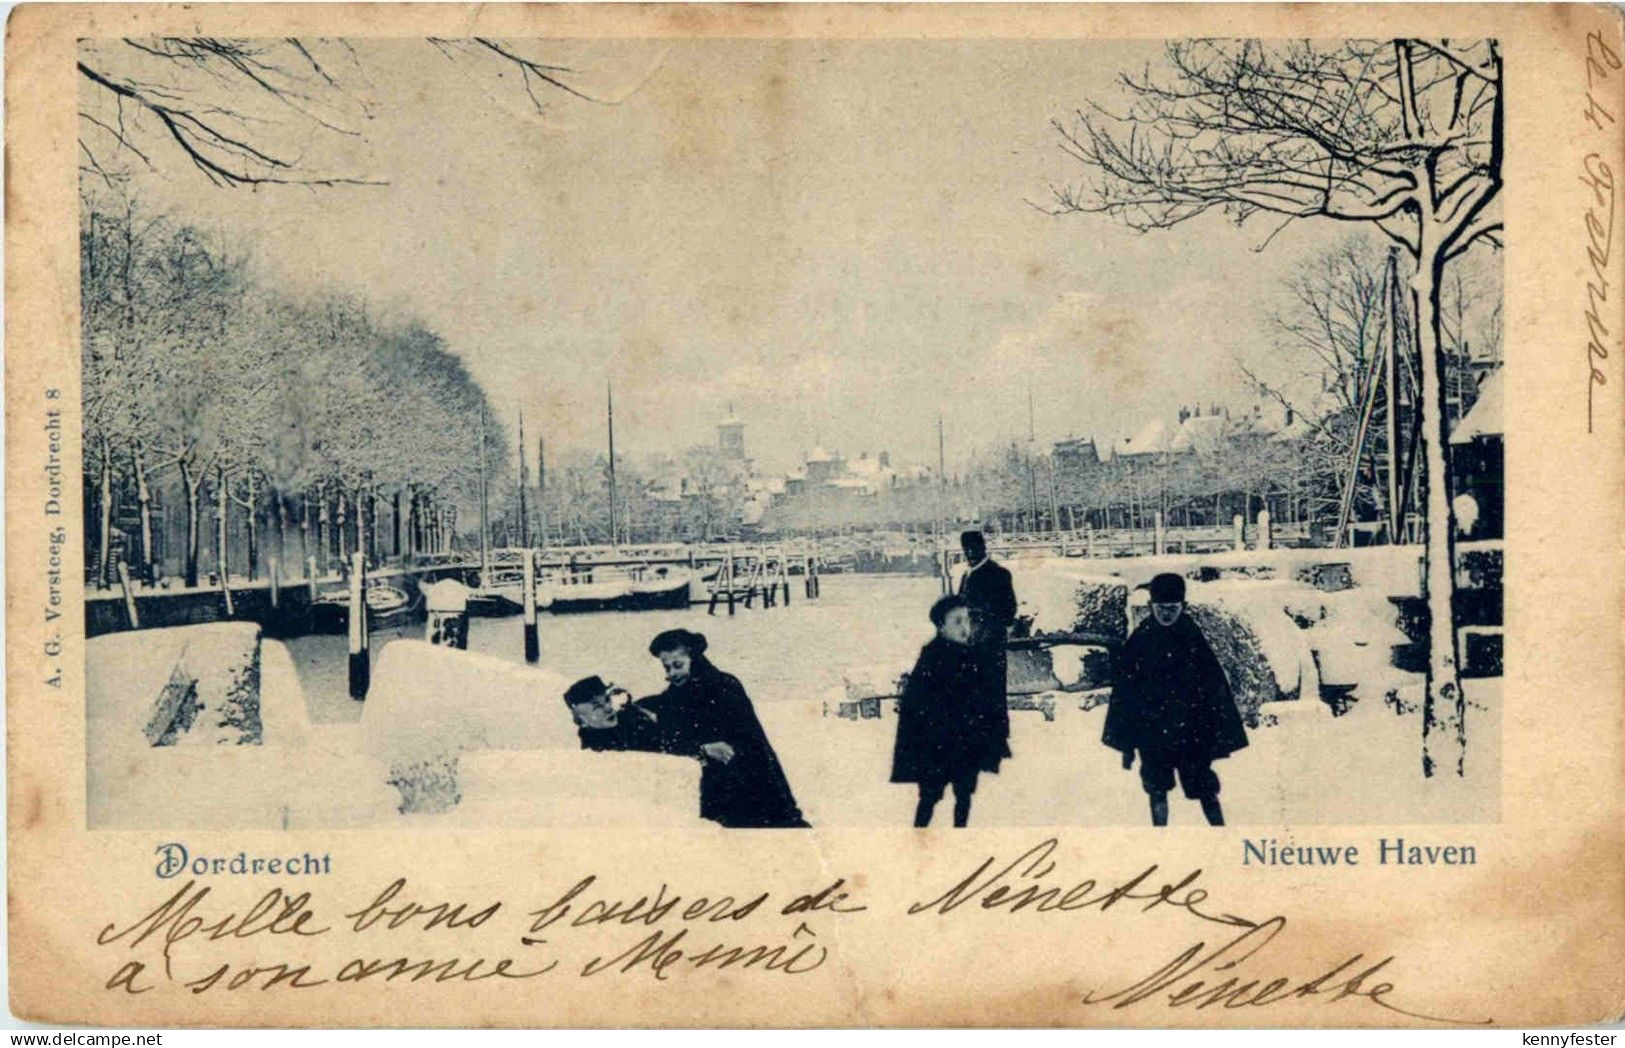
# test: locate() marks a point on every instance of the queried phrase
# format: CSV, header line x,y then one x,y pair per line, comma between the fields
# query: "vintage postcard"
x,y
815,516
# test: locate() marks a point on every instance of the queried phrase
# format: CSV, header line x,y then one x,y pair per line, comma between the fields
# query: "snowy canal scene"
x,y
732,434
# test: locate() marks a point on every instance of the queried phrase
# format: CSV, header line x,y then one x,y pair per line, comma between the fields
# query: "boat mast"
x,y
942,476
1032,473
541,487
1390,379
485,516
614,533
524,521
941,524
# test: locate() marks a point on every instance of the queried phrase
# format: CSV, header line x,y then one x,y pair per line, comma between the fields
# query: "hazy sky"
x,y
835,237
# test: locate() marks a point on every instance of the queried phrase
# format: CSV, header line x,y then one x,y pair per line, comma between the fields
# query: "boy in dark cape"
x,y
942,732
1171,702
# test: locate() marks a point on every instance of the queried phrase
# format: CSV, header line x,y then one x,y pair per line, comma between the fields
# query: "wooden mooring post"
x,y
129,596
360,666
533,645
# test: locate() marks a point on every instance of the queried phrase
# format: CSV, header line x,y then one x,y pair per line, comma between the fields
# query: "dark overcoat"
x,y
991,597
941,730
635,729
711,706
1170,696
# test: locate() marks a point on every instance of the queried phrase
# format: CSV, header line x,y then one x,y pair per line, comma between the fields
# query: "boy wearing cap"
x,y
604,726
1171,702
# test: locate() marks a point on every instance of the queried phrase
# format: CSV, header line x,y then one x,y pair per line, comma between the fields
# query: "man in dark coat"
x,y
1171,702
940,728
706,713
991,597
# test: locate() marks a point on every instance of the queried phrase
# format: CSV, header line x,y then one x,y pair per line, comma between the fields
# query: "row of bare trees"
x,y
695,496
1012,489
1342,360
205,388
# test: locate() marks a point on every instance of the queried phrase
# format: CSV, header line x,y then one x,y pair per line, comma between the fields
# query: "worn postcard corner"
x,y
997,515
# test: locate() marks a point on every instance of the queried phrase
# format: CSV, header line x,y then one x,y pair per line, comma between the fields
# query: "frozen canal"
x,y
781,653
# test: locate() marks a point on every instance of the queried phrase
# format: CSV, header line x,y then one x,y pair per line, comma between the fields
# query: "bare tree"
x,y
1403,135
1327,351
256,112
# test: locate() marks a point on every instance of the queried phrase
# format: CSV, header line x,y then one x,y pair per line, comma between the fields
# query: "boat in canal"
x,y
386,606
661,591
589,591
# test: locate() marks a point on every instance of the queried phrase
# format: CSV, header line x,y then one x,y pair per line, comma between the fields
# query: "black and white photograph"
x,y
790,433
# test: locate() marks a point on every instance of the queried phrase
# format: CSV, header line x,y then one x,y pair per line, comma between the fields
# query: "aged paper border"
x,y
1534,935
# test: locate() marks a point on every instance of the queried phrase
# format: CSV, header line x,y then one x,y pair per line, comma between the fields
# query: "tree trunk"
x,y
222,499
304,528
395,522
189,481
253,529
281,526
1444,706
104,495
414,523
342,521
322,541
363,533
143,494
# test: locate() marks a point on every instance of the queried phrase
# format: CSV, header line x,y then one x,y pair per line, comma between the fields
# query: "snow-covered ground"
x,y
1303,766
328,761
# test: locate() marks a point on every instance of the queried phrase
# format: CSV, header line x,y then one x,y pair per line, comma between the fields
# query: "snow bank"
x,y
1355,638
185,685
1281,620
434,713
1393,570
1271,612
427,701
1265,655
296,776
1054,598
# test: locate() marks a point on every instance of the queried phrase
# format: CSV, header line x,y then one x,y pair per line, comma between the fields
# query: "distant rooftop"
x,y
1487,416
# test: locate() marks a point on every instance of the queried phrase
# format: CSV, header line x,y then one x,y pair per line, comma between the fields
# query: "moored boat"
x,y
576,594
386,606
665,591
